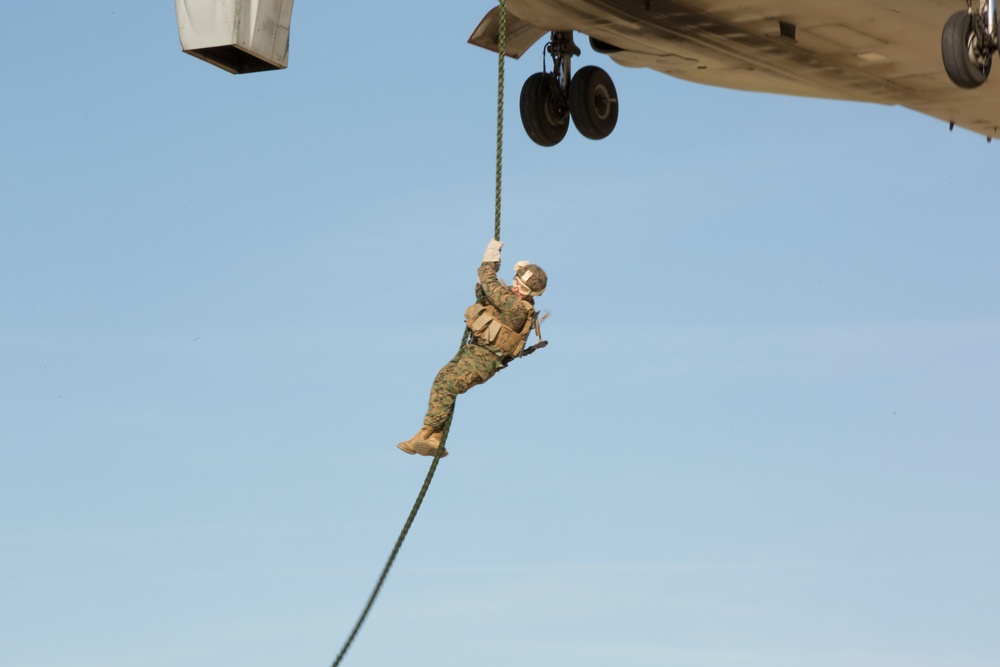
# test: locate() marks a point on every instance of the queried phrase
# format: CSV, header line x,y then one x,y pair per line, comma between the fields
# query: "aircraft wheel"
x,y
960,50
593,102
543,111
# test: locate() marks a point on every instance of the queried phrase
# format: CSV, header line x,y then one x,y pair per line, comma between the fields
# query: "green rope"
x,y
501,48
402,535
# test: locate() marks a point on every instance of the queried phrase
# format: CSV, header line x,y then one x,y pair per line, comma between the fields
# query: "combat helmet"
x,y
531,276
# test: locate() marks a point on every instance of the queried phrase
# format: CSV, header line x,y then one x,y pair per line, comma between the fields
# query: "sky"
x,y
764,433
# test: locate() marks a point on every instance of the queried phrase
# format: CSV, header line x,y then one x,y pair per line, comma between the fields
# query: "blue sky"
x,y
764,433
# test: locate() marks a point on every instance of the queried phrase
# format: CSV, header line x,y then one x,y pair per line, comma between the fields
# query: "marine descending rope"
x,y
501,48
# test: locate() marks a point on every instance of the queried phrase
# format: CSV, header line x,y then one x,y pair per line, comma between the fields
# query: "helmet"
x,y
531,276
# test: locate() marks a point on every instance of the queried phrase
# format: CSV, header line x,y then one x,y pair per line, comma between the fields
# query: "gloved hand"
x,y
492,253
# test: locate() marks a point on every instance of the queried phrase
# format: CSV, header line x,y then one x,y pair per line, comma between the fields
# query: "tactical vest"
x,y
484,323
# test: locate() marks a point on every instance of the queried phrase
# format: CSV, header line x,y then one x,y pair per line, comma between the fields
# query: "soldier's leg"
x,y
441,400
471,366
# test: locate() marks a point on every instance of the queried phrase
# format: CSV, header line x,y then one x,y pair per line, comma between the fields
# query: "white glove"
x,y
492,253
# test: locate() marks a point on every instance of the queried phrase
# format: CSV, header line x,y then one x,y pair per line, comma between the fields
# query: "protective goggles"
x,y
523,286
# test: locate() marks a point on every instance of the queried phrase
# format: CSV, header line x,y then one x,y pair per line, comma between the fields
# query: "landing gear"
x,y
549,100
968,42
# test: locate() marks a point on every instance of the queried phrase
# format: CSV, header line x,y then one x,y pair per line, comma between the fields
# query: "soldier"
x,y
499,323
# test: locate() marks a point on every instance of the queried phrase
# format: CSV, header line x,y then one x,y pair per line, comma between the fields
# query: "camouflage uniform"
x,y
477,361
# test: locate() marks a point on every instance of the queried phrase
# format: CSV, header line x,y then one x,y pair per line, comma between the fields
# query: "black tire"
x,y
543,112
593,102
958,50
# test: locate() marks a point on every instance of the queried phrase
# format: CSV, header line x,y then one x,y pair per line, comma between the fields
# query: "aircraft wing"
x,y
882,51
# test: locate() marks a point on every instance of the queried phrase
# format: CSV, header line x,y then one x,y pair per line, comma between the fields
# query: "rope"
x,y
501,48
402,535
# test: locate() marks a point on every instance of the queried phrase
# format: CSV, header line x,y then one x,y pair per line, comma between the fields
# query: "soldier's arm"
x,y
496,292
480,294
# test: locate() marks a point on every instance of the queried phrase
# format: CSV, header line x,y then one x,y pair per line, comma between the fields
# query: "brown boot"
x,y
407,445
425,443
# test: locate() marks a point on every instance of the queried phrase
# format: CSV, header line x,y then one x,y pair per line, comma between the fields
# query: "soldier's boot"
x,y
407,445
428,444
425,442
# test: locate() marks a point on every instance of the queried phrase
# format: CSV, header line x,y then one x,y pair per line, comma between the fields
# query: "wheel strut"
x,y
986,26
561,49
991,22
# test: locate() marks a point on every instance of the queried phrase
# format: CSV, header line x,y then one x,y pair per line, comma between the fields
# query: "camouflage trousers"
x,y
471,366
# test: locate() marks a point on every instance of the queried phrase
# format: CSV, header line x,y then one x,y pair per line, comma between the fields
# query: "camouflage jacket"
x,y
512,310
